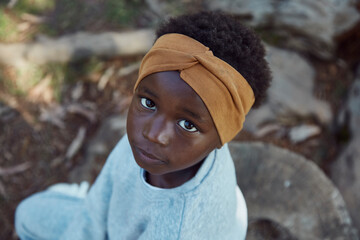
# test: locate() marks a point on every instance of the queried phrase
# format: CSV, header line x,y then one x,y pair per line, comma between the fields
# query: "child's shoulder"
x,y
215,202
123,144
121,155
220,180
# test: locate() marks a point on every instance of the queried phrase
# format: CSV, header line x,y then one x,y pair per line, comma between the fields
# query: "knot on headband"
x,y
224,91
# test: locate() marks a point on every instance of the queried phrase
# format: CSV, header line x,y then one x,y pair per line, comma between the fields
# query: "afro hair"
x,y
230,41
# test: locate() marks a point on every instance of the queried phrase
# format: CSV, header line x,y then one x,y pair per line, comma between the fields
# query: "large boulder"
x,y
353,106
289,195
78,46
307,25
345,171
291,92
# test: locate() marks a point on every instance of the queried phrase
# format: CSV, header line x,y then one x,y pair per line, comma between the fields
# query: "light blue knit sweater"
x,y
122,205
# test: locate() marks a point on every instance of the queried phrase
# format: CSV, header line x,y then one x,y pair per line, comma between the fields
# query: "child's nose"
x,y
158,130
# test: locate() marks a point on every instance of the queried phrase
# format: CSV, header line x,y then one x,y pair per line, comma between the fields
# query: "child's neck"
x,y
174,179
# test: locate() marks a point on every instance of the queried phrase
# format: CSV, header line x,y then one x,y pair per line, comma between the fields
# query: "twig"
x,y
32,18
76,144
12,3
128,69
105,78
82,110
155,7
53,114
15,169
2,190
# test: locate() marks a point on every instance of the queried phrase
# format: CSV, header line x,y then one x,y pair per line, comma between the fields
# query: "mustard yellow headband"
x,y
224,91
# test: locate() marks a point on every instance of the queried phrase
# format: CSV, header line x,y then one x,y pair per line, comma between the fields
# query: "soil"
x,y
42,146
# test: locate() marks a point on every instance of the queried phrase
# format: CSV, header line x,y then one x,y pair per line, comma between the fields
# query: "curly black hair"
x,y
230,41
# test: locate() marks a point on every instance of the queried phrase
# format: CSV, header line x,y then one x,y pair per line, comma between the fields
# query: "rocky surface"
x,y
303,132
306,25
291,92
353,106
345,171
290,193
267,229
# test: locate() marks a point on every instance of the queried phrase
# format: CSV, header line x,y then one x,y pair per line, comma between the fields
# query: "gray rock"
x,y
285,188
302,132
353,107
314,23
290,92
267,229
345,171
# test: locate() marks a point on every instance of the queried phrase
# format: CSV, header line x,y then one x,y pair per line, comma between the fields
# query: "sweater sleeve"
x,y
90,222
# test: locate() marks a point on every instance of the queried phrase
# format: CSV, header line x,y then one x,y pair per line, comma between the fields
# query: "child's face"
x,y
169,128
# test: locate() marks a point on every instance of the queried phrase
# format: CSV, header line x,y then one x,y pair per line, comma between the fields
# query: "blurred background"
x,y
67,68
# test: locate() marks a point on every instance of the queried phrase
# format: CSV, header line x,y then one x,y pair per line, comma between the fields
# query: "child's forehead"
x,y
170,88
168,82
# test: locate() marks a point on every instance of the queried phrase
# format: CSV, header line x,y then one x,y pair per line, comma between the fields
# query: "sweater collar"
x,y
193,183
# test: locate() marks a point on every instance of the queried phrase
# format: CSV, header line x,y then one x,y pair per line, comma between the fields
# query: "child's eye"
x,y
188,126
147,103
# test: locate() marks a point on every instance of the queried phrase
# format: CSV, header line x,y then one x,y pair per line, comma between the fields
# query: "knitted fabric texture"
x,y
224,91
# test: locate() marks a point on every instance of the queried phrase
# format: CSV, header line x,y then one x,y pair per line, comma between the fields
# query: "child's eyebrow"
x,y
194,115
148,91
182,109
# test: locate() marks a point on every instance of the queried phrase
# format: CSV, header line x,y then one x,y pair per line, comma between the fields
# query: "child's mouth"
x,y
148,158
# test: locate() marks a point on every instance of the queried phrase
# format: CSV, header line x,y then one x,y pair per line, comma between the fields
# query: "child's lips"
x,y
149,158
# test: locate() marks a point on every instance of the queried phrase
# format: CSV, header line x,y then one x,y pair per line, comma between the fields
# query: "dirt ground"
x,y
34,153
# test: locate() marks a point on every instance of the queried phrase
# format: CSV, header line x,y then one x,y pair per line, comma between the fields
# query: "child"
x,y
171,176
